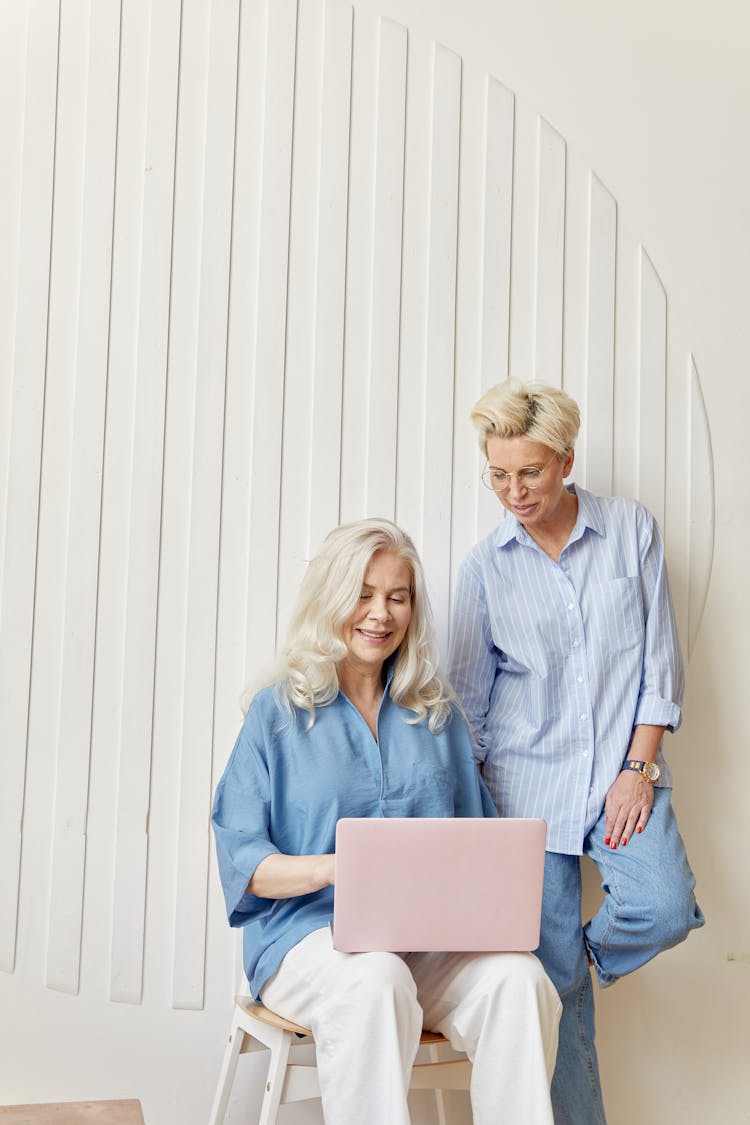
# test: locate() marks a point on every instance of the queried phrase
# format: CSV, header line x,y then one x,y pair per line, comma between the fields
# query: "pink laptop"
x,y
419,884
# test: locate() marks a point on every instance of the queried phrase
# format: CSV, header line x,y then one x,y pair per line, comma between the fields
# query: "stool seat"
x,y
255,1027
248,1005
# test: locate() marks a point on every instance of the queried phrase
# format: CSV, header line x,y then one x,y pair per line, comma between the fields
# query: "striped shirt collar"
x,y
510,528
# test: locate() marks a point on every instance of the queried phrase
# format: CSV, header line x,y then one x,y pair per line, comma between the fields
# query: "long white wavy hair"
x,y
305,670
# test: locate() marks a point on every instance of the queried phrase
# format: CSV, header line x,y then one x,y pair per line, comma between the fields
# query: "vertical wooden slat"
x,y
702,505
550,255
484,288
13,37
333,180
498,223
83,208
238,441
145,179
203,560
270,349
652,390
385,271
600,337
441,327
497,234
36,40
189,407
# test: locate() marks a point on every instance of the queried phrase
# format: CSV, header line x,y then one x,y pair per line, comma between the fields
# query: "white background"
x,y
257,261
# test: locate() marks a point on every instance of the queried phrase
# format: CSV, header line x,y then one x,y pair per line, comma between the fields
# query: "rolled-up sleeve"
x,y
240,820
663,674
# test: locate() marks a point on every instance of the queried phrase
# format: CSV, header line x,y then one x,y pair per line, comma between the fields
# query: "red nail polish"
x,y
614,847
640,827
624,841
606,839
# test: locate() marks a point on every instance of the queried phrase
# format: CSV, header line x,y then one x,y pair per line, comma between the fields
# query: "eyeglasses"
x,y
498,481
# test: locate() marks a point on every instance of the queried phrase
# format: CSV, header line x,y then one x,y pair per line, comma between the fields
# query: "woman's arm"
x,y
663,674
287,876
473,659
631,797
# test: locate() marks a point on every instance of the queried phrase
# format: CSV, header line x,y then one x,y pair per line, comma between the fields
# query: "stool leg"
x,y
440,1109
226,1076
279,1046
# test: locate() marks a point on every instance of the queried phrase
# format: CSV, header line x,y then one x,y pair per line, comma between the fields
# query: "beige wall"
x,y
259,261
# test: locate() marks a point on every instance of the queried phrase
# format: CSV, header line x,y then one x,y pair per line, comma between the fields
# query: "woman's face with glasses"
x,y
527,478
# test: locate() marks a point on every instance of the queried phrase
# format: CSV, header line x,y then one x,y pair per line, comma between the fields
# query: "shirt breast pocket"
x,y
617,614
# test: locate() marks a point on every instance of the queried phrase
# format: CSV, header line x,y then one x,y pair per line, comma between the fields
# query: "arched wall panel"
x,y
265,255
187,155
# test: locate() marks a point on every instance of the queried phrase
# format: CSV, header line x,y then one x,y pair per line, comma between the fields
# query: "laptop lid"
x,y
438,884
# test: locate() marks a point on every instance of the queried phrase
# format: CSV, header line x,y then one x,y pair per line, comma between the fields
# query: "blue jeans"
x,y
649,906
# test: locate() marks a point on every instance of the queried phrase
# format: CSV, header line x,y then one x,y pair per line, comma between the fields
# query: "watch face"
x,y
651,771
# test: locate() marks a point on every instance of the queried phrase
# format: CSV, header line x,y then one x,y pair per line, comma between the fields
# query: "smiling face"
x,y
381,617
548,501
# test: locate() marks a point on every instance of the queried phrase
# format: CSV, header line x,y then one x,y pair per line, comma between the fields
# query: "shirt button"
x,y
576,644
571,605
580,679
585,754
584,717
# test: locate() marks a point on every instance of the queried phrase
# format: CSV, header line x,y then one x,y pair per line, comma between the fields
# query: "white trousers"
x,y
367,1011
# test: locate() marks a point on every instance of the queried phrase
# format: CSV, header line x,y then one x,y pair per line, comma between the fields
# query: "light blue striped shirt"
x,y
556,663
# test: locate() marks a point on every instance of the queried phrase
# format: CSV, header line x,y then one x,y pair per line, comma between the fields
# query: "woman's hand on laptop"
x,y
287,876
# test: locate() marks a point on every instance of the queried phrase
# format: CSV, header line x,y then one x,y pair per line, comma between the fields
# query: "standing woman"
x,y
357,722
566,660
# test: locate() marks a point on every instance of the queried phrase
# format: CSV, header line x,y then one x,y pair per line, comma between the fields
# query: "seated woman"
x,y
357,722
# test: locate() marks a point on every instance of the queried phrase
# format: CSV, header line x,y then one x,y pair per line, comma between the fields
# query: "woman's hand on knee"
x,y
627,806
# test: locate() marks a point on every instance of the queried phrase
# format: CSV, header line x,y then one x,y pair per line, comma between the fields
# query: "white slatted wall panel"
x,y
550,254
215,128
385,270
652,389
31,46
79,310
146,159
269,361
324,472
260,270
600,337
701,507
440,327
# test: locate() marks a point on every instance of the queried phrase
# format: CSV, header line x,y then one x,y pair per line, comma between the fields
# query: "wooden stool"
x,y
289,1080
73,1113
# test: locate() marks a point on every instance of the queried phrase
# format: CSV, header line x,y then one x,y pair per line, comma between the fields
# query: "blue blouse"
x,y
285,787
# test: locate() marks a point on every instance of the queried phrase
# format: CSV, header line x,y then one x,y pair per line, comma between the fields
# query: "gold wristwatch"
x,y
649,770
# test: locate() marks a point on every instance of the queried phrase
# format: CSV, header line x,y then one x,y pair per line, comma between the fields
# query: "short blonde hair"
x,y
305,670
532,410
